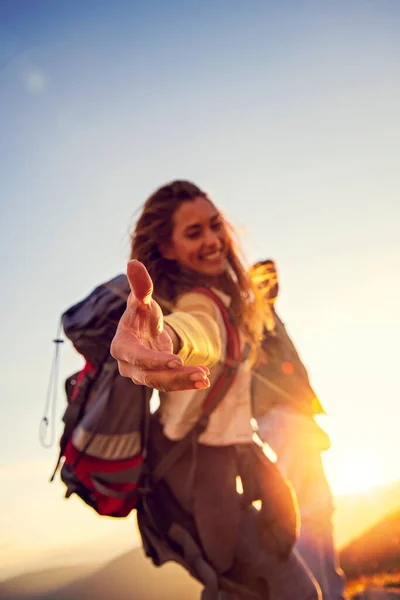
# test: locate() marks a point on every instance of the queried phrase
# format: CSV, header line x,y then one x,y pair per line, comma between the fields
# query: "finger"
x,y
166,380
140,281
123,349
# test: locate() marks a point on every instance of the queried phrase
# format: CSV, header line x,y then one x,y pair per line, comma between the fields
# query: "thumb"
x,y
140,281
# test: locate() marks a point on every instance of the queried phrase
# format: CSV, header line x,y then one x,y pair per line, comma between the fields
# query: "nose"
x,y
212,239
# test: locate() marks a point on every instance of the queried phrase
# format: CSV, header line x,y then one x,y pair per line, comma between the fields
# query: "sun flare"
x,y
357,475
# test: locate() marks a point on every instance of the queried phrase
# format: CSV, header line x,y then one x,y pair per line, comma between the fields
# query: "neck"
x,y
212,281
199,279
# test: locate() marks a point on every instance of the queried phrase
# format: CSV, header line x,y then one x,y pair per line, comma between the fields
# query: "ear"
x,y
167,251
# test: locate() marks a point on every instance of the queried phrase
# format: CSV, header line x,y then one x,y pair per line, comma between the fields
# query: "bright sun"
x,y
357,475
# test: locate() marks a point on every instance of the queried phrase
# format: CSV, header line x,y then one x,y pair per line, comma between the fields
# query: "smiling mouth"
x,y
214,256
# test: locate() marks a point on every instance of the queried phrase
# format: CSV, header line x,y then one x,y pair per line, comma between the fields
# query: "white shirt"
x,y
199,324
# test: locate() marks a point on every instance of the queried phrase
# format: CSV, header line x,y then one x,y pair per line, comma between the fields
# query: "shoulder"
x,y
196,301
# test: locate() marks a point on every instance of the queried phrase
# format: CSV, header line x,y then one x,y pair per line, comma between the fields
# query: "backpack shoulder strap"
x,y
232,361
215,395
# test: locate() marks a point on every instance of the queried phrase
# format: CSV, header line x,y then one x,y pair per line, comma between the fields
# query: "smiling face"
x,y
199,240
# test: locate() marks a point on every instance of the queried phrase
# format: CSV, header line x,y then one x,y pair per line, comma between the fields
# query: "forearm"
x,y
196,337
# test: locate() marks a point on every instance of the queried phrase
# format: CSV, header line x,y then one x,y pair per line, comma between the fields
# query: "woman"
x,y
184,242
285,406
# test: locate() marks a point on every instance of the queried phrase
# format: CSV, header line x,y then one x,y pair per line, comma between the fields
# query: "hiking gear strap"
x,y
216,393
47,422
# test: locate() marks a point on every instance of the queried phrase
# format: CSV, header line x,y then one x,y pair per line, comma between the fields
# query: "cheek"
x,y
225,237
186,251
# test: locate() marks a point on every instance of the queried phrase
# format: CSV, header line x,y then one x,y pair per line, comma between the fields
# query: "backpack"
x,y
281,377
104,442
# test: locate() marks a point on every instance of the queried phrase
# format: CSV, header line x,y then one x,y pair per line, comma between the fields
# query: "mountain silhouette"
x,y
376,551
37,584
356,513
131,576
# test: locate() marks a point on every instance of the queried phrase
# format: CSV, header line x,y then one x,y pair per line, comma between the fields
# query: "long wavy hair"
x,y
154,229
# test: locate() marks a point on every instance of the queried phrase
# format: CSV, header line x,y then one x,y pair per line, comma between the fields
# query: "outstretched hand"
x,y
144,348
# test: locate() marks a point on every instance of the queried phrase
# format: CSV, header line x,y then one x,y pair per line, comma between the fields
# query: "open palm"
x,y
142,345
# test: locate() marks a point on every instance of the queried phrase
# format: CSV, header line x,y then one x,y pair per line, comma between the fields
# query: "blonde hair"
x,y
265,279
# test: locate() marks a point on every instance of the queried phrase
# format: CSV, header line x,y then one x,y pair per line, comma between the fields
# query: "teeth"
x,y
212,256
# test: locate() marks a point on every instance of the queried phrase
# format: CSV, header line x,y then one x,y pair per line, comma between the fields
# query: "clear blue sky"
x,y
287,111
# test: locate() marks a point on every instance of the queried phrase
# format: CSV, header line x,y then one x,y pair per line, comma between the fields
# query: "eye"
x,y
193,234
217,225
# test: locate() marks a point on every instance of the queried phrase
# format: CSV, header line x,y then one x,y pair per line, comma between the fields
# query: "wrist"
x,y
175,339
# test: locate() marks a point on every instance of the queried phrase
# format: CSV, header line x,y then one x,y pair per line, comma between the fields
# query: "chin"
x,y
211,270
216,271
220,272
